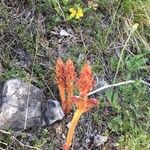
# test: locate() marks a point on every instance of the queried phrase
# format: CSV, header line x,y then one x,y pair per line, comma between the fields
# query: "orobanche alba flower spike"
x,y
83,104
65,77
60,79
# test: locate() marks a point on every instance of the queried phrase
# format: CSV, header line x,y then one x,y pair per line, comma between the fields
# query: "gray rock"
x,y
99,82
64,33
99,140
21,105
52,112
1,69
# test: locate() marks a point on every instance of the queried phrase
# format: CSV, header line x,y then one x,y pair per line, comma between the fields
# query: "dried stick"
x,y
117,84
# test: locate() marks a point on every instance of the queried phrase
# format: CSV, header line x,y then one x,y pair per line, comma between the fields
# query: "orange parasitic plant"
x,y
60,79
70,78
82,102
65,77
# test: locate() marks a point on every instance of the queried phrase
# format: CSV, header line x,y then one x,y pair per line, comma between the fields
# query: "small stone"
x,y
148,81
52,112
115,144
68,125
99,82
59,129
99,140
87,140
80,58
64,33
63,136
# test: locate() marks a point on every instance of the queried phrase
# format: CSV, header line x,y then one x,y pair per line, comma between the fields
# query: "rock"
x,y
21,105
64,33
148,81
99,140
1,69
52,112
81,57
115,144
1,88
99,82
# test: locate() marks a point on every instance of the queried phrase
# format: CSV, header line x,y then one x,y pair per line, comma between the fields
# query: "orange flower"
x,y
60,79
70,78
83,104
65,76
86,80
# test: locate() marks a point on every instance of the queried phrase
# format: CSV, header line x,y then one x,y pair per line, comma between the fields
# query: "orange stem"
x,y
72,127
69,91
62,96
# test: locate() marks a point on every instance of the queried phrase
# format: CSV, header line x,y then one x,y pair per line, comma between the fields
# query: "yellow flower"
x,y
73,12
77,13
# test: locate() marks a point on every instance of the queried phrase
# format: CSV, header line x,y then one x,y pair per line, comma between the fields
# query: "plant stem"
x,y
133,29
69,91
62,96
72,127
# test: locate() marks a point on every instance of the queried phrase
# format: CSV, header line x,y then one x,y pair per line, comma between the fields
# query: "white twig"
x,y
24,145
5,132
117,84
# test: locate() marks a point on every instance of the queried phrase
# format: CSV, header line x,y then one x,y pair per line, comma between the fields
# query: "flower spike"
x,y
83,104
70,78
60,79
65,77
86,80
